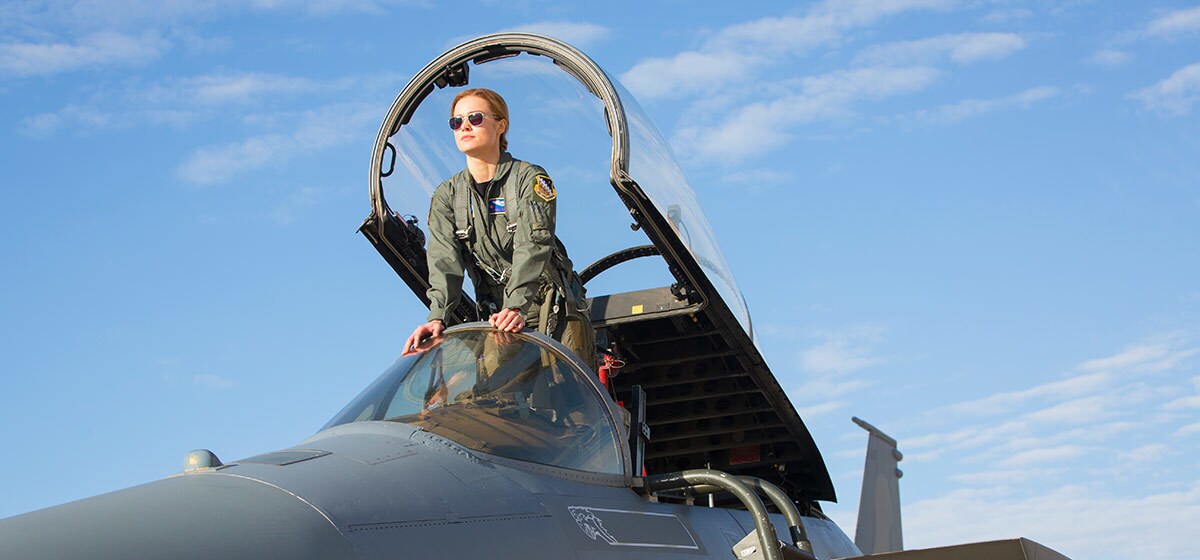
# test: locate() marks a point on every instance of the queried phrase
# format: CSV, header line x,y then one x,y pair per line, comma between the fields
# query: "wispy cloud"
x,y
829,367
296,203
1174,95
1041,456
1002,403
1110,57
732,53
836,357
220,89
212,381
968,108
45,124
181,101
961,48
1165,353
580,34
90,52
828,96
1100,401
1188,430
821,409
317,130
1074,520
1007,15
140,14
1183,403
1175,23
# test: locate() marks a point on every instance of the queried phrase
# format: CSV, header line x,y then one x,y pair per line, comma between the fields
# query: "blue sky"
x,y
975,224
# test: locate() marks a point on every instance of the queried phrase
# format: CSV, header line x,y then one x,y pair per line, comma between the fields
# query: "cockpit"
x,y
517,396
673,333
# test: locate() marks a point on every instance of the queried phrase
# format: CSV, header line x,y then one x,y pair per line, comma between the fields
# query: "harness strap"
x,y
462,214
464,211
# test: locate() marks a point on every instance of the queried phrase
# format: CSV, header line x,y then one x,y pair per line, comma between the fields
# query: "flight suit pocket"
x,y
539,232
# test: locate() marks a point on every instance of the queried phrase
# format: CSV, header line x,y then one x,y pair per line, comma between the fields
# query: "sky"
x,y
974,224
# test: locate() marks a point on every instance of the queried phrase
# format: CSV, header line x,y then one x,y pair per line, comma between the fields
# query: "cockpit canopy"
x,y
516,396
676,324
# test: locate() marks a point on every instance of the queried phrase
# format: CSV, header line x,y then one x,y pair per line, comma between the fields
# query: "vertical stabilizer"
x,y
879,506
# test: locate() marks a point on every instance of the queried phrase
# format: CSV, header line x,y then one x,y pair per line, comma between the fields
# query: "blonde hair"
x,y
496,103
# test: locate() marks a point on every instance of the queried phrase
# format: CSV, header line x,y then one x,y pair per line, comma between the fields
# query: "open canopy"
x,y
676,318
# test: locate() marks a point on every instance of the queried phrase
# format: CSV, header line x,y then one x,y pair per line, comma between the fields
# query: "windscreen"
x,y
498,393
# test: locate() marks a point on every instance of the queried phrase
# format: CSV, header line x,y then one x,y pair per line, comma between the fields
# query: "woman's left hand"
x,y
511,320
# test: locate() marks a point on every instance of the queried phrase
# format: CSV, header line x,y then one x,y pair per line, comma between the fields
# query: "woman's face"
x,y
482,140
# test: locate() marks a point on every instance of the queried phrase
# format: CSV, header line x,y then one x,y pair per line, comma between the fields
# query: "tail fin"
x,y
879,507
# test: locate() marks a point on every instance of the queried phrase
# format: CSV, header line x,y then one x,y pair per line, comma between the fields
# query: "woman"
x,y
495,221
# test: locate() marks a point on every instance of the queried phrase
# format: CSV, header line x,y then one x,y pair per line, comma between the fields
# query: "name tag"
x,y
496,206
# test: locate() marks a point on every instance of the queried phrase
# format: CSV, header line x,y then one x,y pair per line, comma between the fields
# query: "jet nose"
x,y
198,516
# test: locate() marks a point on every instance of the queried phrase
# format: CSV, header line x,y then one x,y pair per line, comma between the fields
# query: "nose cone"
x,y
201,516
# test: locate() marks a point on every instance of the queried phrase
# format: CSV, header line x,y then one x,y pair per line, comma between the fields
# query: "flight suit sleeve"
x,y
446,266
533,241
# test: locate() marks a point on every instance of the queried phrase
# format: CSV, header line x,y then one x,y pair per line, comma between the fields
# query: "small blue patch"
x,y
496,206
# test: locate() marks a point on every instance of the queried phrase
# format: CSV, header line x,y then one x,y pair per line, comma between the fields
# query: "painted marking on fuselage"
x,y
592,520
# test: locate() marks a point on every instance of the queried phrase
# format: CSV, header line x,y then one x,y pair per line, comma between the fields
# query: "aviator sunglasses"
x,y
475,119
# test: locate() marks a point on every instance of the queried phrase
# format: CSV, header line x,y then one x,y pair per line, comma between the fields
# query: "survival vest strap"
x,y
464,231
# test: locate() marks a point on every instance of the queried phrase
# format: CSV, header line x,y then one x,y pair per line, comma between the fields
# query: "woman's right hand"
x,y
432,329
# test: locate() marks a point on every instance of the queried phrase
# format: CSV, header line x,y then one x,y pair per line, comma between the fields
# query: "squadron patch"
x,y
544,187
496,206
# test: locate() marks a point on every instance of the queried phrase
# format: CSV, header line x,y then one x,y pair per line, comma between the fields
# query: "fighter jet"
x,y
487,445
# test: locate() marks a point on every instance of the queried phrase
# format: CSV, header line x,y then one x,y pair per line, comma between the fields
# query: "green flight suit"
x,y
509,249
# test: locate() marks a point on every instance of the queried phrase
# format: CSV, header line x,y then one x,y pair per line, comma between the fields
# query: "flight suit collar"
x,y
503,167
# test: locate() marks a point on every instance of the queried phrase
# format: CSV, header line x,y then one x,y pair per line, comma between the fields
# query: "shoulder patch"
x,y
544,187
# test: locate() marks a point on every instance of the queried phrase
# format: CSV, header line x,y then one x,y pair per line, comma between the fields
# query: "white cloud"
x,y
179,102
1006,402
1001,477
575,33
1188,429
92,51
1160,355
737,51
828,96
962,48
686,73
217,89
835,357
305,197
1077,521
1183,403
1110,57
1040,456
318,129
1005,16
1174,95
1176,23
1104,423
212,381
1145,455
828,367
830,387
949,114
813,411
1083,410
71,116
140,14
842,352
